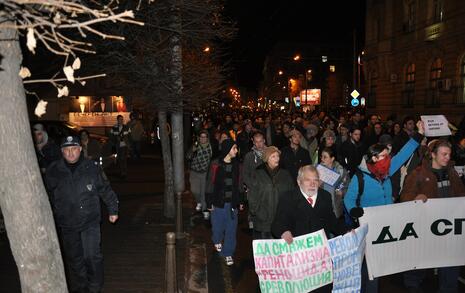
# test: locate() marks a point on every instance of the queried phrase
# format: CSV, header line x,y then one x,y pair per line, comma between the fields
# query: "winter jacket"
x,y
341,184
264,195
214,193
292,160
251,162
49,153
377,192
75,196
423,181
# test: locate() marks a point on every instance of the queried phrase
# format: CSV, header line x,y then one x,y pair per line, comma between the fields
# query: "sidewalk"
x,y
133,248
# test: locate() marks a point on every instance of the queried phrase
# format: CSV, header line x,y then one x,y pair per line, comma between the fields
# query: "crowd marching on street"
x,y
268,162
269,165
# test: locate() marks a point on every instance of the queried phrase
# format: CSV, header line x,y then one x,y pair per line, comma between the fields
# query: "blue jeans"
x,y
224,226
447,279
84,259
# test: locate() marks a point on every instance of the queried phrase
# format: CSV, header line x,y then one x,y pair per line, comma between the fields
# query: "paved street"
x,y
134,248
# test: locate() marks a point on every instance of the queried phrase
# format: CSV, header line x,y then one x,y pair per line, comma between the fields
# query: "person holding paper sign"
x,y
328,159
377,185
435,178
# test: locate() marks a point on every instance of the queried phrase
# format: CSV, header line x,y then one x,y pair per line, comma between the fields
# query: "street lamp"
x,y
297,57
280,72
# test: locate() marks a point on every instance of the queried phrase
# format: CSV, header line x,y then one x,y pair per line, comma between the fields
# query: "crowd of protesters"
x,y
268,162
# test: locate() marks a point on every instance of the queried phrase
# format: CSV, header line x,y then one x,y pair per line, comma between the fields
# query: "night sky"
x,y
262,24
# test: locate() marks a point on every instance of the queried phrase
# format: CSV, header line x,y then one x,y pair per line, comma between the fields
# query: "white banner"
x,y
415,235
435,125
302,266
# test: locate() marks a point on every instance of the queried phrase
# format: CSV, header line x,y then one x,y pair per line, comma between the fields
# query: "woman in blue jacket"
x,y
377,189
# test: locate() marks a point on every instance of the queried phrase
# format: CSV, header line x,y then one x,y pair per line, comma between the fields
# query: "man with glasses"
x,y
200,156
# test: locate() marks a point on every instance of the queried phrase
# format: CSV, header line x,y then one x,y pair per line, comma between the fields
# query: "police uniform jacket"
x,y
75,196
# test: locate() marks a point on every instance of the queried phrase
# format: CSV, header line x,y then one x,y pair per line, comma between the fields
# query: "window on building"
x,y
411,14
438,10
409,89
434,78
461,96
373,82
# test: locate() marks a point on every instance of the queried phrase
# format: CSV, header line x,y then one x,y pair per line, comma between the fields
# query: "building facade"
x,y
414,61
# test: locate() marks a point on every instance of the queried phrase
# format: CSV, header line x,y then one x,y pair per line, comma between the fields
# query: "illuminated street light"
x,y
297,57
207,49
280,72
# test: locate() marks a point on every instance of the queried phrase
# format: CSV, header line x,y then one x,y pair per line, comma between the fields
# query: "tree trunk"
x,y
177,115
169,210
187,130
23,199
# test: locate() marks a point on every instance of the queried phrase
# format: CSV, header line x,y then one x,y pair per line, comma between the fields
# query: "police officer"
x,y
76,185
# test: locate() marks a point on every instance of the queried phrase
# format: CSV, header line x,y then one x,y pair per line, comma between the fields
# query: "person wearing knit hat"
x,y
268,151
224,199
269,182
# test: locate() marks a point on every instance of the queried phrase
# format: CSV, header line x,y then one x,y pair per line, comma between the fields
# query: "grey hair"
x,y
307,168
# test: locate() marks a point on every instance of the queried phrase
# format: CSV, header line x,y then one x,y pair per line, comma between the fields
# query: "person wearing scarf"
x,y
377,190
200,156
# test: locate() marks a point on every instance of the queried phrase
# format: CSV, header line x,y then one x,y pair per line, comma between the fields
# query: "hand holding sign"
x,y
435,125
421,127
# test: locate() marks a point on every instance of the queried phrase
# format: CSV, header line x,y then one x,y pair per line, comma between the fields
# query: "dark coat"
x,y
292,161
264,195
351,155
48,154
295,214
214,193
75,197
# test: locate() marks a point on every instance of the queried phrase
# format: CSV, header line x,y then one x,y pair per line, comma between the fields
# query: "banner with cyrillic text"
x,y
415,235
302,266
347,255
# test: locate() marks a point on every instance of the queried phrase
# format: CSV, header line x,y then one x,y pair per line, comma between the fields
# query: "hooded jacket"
x,y
423,181
264,195
377,192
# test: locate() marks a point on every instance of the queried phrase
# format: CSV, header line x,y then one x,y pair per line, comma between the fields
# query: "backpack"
x,y
351,217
